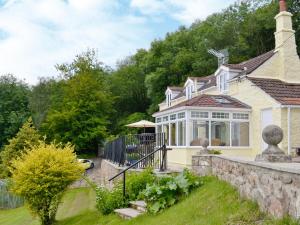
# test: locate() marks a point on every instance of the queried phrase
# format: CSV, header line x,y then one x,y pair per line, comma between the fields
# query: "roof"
x,y
252,64
175,88
216,101
283,92
212,81
203,78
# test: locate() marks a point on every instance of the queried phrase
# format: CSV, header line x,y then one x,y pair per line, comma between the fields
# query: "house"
x,y
231,107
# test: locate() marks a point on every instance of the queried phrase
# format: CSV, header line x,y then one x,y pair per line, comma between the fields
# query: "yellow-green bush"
x,y
26,137
42,175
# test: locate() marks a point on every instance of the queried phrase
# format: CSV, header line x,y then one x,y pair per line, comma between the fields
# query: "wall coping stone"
x,y
283,167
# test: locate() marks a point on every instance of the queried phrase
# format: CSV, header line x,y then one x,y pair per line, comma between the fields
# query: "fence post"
x,y
124,186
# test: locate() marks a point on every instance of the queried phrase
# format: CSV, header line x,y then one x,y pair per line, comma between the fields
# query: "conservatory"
x,y
225,125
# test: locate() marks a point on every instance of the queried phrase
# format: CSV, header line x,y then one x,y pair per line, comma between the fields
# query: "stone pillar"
x,y
273,135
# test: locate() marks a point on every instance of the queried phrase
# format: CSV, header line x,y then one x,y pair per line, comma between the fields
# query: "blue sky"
x,y
37,34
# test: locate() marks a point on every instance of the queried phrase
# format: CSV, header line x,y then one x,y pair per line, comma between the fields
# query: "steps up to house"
x,y
136,208
139,205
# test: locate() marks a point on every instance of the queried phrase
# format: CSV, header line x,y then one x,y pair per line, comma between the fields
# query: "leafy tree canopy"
x,y
80,115
13,106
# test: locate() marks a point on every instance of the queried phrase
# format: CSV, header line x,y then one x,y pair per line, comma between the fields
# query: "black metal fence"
x,y
127,150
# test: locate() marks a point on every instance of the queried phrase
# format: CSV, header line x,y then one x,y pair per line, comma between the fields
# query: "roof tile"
x,y
252,64
283,92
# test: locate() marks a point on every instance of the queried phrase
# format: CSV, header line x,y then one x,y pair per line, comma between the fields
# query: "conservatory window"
x,y
200,131
181,115
181,133
165,118
158,120
220,133
173,117
195,114
220,115
173,134
158,129
166,133
240,133
240,116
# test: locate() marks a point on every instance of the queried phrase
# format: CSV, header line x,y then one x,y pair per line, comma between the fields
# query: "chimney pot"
x,y
282,5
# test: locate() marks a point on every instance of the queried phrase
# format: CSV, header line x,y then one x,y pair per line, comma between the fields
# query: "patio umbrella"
x,y
141,124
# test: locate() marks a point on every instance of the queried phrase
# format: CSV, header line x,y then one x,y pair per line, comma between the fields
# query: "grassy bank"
x,y
214,203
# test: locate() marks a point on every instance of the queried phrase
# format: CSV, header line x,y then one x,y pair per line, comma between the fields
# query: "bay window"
x,y
190,128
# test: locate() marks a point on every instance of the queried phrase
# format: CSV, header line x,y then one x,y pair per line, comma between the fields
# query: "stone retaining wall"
x,y
274,186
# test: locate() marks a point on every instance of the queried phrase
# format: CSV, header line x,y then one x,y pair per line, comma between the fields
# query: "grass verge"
x,y
216,202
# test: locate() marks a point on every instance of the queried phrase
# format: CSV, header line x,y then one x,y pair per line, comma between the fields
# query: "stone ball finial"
x,y
205,143
272,135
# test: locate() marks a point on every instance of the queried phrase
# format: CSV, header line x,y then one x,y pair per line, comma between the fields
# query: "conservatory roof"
x,y
214,101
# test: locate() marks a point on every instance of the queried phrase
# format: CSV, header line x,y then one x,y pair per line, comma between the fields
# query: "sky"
x,y
35,35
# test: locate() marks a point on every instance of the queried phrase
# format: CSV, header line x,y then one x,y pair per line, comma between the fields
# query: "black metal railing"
x,y
127,150
162,167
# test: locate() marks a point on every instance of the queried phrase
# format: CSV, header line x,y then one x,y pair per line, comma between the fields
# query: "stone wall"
x,y
274,186
100,174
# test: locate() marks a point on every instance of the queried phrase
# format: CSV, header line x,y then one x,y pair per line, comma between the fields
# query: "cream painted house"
x,y
231,107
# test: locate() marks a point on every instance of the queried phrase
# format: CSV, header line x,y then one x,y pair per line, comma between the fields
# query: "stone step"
x,y
139,205
128,213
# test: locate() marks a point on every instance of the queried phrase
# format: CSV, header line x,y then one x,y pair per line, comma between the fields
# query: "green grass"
x,y
75,202
215,203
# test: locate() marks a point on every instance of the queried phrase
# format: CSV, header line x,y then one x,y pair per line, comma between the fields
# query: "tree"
x,y
26,137
42,175
82,114
13,106
127,85
46,94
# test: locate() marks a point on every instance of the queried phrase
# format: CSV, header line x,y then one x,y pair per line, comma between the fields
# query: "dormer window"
x,y
189,91
169,98
223,81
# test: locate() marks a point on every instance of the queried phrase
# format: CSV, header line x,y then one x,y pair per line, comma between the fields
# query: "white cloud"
x,y
185,11
149,7
36,35
43,33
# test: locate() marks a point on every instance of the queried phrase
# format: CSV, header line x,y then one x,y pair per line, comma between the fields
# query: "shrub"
x,y
42,175
137,182
167,190
25,138
214,152
107,201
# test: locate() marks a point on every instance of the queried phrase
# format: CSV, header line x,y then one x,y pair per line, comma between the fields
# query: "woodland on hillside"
x,y
90,102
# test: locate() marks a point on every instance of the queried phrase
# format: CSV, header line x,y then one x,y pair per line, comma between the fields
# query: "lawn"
x,y
214,203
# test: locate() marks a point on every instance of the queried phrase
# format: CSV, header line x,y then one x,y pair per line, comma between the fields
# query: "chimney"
x,y
285,46
282,5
